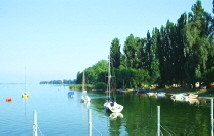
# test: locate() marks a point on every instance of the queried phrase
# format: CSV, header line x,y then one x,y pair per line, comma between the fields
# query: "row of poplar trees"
x,y
179,53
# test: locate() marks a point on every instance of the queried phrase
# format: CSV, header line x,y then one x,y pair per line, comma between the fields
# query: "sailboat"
x,y
25,94
83,83
110,104
84,97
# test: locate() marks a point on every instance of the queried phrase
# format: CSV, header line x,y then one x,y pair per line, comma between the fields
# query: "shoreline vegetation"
x,y
79,86
175,57
178,53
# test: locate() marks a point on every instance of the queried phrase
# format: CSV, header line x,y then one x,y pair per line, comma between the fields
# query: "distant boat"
x,y
70,94
193,101
8,100
25,94
180,96
84,97
161,94
185,97
110,104
140,91
151,93
83,83
191,96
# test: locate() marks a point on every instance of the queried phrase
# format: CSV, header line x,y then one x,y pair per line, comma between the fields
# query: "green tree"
x,y
115,53
92,73
130,51
154,73
198,44
179,49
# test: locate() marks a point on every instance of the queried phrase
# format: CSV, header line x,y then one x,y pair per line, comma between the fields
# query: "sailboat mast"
x,y
109,77
83,80
25,79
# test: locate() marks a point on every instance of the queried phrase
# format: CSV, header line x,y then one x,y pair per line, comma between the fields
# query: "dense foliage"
x,y
179,53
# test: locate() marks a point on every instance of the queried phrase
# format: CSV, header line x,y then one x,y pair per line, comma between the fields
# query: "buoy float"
x,y
8,100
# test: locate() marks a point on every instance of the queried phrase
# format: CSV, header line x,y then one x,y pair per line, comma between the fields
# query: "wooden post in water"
x,y
158,120
90,121
211,117
35,132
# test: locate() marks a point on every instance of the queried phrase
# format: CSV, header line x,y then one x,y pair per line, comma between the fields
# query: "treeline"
x,y
59,82
179,53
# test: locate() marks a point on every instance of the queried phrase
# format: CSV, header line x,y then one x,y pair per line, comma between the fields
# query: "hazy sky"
x,y
54,39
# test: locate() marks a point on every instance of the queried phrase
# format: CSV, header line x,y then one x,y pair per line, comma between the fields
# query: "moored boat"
x,y
111,105
70,94
140,91
84,97
25,95
151,93
179,96
161,94
191,96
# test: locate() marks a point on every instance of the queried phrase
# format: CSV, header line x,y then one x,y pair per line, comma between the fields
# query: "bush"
x,y
100,85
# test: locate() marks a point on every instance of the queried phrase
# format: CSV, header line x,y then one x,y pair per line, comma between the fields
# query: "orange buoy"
x,y
8,99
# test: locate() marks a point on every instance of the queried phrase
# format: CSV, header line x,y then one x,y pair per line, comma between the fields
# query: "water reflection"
x,y
86,104
24,100
138,118
115,124
114,116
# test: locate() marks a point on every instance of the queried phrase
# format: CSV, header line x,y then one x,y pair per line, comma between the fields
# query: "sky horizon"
x,y
56,39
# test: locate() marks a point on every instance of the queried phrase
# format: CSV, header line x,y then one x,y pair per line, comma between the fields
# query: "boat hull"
x,y
25,95
70,94
85,98
113,107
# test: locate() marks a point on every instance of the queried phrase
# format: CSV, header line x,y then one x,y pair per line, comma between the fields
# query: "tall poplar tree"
x,y
154,72
197,44
130,51
180,55
115,53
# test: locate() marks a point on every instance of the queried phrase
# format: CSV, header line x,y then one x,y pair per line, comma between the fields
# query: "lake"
x,y
58,115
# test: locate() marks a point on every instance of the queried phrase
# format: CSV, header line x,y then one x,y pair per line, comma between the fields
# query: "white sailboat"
x,y
84,97
25,94
83,83
110,104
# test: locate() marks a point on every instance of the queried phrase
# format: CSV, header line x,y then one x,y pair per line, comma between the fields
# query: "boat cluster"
x,y
184,96
110,104
84,97
175,97
191,98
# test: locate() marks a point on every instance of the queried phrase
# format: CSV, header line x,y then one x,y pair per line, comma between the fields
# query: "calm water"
x,y
60,115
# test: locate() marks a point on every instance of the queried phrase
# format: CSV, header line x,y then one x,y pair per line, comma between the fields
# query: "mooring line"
x,y
40,131
167,127
97,130
166,130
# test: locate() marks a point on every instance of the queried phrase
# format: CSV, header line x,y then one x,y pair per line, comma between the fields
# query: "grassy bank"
x,y
79,86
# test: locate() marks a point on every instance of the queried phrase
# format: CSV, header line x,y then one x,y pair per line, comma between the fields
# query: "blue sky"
x,y
54,39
